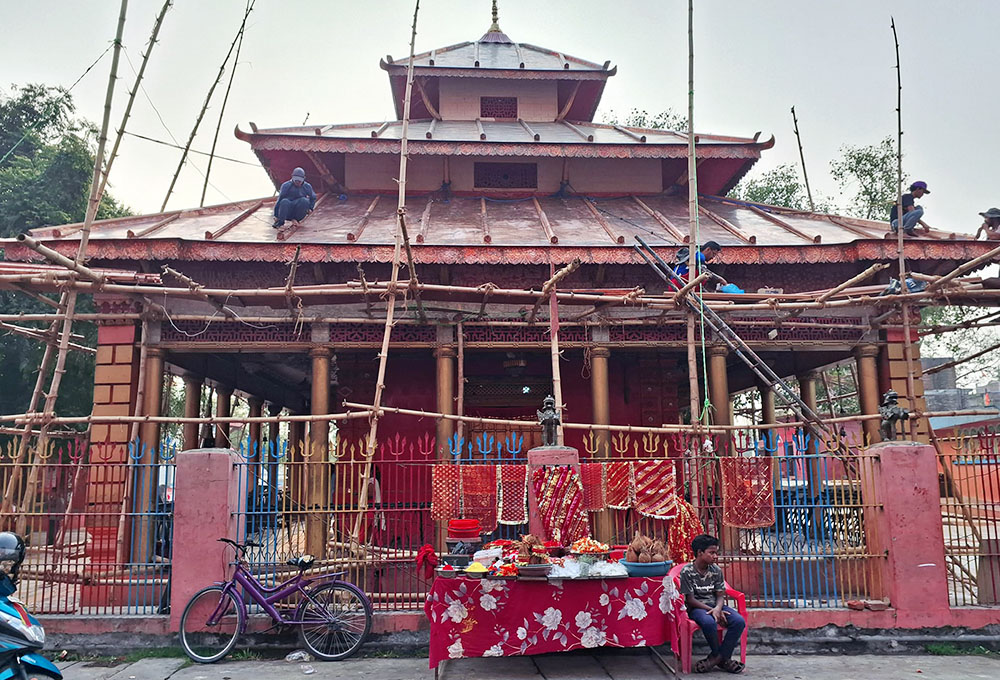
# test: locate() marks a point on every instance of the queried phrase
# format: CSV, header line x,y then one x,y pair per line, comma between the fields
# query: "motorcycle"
x,y
21,638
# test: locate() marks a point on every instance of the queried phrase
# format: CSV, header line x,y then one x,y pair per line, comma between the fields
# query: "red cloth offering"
x,y
619,478
655,488
479,495
747,492
595,496
513,494
481,617
560,503
446,487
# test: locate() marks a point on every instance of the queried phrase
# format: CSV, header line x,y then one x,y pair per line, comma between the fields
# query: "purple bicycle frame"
x,y
266,597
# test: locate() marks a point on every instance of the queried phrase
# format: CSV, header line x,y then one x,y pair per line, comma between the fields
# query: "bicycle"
x,y
333,616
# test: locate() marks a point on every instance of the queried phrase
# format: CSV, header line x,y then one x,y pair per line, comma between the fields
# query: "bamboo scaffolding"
x,y
549,287
956,362
394,278
199,290
961,269
225,98
802,158
204,108
555,355
200,420
43,336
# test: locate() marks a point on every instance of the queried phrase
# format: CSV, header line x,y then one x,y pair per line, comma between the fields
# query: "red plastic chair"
x,y
686,628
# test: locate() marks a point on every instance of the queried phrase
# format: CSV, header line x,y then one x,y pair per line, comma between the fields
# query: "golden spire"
x,y
495,28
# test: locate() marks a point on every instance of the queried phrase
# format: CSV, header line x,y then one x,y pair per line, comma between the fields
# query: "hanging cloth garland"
x,y
655,488
560,503
513,494
620,488
683,529
479,495
446,492
747,492
595,497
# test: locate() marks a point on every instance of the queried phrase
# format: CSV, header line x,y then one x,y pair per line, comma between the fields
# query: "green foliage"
x,y
664,120
870,172
45,180
961,343
780,186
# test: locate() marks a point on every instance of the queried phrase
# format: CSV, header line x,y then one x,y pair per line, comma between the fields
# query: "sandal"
x,y
732,666
705,665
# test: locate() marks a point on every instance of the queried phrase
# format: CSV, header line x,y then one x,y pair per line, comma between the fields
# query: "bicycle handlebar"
x,y
241,548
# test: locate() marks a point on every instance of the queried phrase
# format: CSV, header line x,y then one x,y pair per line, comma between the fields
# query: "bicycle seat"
x,y
303,562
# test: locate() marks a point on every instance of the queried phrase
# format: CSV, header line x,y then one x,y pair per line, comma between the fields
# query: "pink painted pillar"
x,y
916,572
206,493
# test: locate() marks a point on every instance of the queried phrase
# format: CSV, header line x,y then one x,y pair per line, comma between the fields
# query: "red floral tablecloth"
x,y
479,617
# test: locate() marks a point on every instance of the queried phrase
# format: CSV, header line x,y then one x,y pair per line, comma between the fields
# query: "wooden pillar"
x,y
223,409
768,439
807,392
317,474
718,384
445,357
868,393
601,398
256,411
192,409
152,402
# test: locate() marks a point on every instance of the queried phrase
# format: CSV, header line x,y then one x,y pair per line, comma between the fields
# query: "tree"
x,y
870,171
664,120
780,186
48,160
45,178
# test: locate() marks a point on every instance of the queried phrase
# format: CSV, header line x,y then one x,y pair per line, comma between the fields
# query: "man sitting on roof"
x,y
912,214
295,200
708,252
991,224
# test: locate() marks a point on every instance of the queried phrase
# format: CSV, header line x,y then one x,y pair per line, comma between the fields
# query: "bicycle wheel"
x,y
335,620
206,642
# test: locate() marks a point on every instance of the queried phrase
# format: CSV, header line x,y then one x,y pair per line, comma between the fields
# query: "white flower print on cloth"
x,y
604,599
551,618
583,620
489,585
456,651
635,609
456,612
487,602
522,633
495,650
593,637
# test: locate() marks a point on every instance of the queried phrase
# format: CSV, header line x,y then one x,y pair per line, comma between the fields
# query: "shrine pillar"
x,y
144,476
192,409
601,398
768,439
866,357
317,474
223,409
445,357
718,385
296,455
814,481
255,450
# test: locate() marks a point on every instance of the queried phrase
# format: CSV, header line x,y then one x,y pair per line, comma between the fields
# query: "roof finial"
x,y
495,28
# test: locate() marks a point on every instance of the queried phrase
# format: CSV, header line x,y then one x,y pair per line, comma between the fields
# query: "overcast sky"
x,y
754,60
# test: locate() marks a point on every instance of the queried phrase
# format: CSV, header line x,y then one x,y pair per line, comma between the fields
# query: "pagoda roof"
x,y
477,230
476,58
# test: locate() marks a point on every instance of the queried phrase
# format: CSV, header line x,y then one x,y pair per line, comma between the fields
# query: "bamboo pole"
x,y
549,287
802,158
556,370
134,91
43,336
956,362
204,108
394,278
69,298
961,269
225,98
201,420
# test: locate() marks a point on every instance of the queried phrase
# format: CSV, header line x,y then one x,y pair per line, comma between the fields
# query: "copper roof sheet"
x,y
490,55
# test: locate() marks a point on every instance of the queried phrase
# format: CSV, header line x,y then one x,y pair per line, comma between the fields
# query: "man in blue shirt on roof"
x,y
912,213
704,256
295,200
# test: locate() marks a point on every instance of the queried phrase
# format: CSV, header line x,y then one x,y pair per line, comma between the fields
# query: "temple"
x,y
510,179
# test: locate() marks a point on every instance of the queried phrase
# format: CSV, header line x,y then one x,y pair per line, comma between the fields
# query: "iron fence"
x,y
97,519
969,468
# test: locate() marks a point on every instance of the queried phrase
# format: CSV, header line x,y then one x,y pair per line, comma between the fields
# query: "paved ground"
x,y
576,666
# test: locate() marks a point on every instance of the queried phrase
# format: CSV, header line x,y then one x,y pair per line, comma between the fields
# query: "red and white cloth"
x,y
479,495
479,617
560,503
513,494
619,485
595,497
655,488
446,492
747,492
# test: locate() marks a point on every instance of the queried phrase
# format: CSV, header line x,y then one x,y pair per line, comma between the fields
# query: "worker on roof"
x,y
991,224
295,200
709,251
912,213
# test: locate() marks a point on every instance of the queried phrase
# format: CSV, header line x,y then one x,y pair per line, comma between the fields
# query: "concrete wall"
x,y
378,172
537,100
615,175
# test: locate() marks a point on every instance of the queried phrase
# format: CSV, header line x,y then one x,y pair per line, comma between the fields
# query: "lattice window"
x,y
507,392
498,107
506,175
